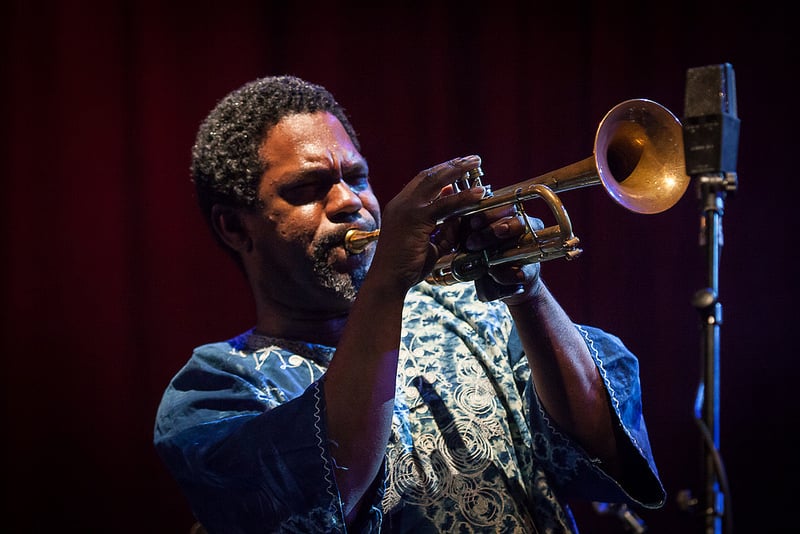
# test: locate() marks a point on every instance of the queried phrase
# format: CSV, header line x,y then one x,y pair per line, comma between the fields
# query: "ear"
x,y
229,226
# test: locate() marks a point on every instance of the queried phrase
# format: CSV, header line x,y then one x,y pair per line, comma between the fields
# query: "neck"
x,y
299,326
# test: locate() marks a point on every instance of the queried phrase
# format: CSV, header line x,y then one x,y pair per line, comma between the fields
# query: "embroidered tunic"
x,y
242,429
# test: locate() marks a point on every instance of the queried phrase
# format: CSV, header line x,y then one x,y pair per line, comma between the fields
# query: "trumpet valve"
x,y
470,179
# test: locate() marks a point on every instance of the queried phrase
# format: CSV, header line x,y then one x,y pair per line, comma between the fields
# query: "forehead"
x,y
308,137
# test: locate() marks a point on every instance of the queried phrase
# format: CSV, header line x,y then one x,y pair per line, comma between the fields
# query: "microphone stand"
x,y
712,190
711,139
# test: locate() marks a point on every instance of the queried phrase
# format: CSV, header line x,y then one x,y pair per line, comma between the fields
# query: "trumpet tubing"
x,y
637,158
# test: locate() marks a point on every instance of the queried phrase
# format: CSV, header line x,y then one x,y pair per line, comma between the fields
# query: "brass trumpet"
x,y
638,158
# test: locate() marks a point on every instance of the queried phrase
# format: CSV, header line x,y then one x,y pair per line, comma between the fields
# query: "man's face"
x,y
315,188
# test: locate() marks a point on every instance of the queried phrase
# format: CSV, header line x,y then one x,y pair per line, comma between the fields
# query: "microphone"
x,y
710,125
711,144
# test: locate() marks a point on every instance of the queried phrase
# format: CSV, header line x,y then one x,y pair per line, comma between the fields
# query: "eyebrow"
x,y
347,167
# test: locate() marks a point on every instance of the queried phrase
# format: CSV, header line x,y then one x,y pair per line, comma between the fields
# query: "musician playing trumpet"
x,y
365,399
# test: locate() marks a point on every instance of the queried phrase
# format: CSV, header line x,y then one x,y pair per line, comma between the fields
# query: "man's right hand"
x,y
411,238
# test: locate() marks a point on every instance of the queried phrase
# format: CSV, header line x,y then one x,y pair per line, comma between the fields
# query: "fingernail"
x,y
501,230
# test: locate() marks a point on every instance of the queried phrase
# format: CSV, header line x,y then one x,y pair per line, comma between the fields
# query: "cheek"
x,y
296,228
373,207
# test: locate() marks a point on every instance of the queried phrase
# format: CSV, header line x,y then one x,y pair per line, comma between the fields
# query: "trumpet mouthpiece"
x,y
355,241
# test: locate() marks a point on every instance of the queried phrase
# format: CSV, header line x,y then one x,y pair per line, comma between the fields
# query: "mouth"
x,y
340,255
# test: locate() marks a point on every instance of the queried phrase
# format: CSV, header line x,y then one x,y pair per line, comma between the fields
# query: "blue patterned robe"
x,y
242,429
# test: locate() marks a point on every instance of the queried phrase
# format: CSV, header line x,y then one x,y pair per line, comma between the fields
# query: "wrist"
x,y
532,294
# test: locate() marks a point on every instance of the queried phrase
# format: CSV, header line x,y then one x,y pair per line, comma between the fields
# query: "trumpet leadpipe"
x,y
355,241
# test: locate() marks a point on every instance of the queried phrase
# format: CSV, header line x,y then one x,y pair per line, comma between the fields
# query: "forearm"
x,y
565,376
360,389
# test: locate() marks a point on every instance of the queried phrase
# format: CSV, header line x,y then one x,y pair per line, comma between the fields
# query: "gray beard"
x,y
343,285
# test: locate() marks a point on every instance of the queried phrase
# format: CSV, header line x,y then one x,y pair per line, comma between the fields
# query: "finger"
x,y
445,237
433,181
485,217
495,233
509,274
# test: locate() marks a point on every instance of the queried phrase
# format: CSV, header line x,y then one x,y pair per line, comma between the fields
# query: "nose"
x,y
342,200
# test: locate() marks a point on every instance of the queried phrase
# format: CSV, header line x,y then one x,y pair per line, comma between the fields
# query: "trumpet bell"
x,y
639,156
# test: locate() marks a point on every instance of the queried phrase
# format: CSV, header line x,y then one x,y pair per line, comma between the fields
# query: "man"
x,y
366,399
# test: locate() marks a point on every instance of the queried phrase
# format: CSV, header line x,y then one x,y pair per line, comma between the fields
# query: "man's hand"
x,y
411,238
494,229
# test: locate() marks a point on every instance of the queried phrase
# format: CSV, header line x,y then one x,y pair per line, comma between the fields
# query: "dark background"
x,y
109,277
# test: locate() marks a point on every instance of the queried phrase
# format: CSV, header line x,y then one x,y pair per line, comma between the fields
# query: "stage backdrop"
x,y
109,277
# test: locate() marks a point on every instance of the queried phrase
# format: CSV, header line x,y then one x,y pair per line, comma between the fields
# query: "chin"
x,y
341,275
344,285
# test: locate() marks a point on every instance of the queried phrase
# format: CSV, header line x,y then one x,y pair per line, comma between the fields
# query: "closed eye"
x,y
314,185
305,191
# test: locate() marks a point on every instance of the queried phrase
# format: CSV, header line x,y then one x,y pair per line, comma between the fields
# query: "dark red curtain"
x,y
110,278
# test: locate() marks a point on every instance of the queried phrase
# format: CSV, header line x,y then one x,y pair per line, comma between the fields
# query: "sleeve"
x,y
577,474
248,464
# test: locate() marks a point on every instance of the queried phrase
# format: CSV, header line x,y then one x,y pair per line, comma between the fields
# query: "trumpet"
x,y
638,159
